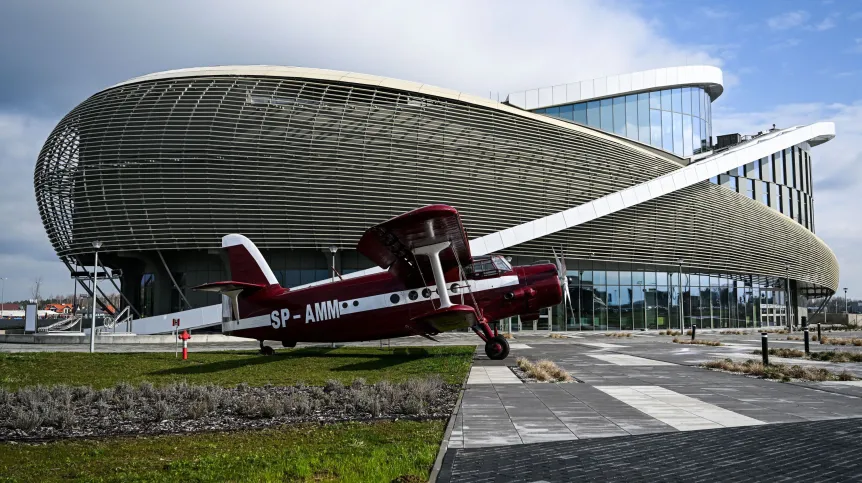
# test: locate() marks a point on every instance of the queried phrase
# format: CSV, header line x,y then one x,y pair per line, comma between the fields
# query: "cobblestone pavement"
x,y
808,451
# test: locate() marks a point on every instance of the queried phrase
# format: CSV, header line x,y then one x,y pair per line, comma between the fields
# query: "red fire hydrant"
x,y
185,338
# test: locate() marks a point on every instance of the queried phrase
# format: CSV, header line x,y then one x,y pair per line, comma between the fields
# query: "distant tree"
x,y
36,289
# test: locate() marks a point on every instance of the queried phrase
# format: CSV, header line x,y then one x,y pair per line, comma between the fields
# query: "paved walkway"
x,y
822,451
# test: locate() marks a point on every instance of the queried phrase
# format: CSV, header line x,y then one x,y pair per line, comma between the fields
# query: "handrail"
x,y
64,324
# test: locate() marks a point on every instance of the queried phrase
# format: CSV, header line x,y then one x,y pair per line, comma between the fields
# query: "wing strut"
x,y
433,254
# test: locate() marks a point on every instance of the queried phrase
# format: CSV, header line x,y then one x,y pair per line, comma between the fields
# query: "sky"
x,y
785,62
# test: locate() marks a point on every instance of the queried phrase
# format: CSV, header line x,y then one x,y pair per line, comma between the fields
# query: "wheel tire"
x,y
497,348
267,350
288,344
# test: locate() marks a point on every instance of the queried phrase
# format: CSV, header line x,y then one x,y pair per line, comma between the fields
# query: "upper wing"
x,y
391,243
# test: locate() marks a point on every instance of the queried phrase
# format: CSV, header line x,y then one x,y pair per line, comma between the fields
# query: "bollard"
x,y
693,329
764,347
819,337
805,336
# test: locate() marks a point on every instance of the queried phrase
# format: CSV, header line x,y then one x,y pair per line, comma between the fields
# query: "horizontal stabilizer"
x,y
450,318
227,287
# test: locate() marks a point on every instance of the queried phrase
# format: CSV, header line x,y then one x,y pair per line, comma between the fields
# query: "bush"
x,y
697,342
778,371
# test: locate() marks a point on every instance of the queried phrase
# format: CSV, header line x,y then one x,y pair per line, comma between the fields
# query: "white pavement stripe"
x,y
602,345
677,410
492,375
625,360
844,383
519,346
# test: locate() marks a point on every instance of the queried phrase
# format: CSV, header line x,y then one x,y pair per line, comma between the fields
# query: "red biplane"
x,y
431,284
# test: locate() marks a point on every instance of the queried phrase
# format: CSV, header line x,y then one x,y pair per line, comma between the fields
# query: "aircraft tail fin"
x,y
247,265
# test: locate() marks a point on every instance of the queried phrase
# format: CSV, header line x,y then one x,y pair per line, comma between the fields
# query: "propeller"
x,y
564,280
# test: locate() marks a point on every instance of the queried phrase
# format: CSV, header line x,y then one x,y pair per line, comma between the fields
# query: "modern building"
x,y
619,174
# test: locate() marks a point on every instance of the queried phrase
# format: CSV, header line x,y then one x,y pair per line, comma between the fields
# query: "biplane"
x,y
430,283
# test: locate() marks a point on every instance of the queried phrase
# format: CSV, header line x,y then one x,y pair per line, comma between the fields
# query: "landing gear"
x,y
266,350
497,348
289,344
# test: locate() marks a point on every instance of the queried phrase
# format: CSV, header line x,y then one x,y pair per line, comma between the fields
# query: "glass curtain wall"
x,y
676,120
604,299
781,181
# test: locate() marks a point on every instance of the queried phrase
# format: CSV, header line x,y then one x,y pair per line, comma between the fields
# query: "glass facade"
x,y
676,120
605,299
781,181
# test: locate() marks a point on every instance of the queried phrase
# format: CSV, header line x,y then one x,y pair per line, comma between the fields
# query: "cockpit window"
x,y
502,264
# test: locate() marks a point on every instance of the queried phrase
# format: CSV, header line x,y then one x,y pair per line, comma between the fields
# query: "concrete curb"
x,y
444,445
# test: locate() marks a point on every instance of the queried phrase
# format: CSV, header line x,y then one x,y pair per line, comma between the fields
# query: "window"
x,y
766,169
749,188
779,199
655,100
704,145
696,99
607,115
764,195
733,183
686,100
581,113
632,116
655,127
686,135
619,115
553,111
778,165
643,118
667,131
788,167
567,112
665,100
755,169
502,264
676,96
677,134
714,180
696,144
594,114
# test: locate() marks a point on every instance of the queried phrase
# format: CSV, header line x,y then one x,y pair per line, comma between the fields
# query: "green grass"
x,y
311,366
339,452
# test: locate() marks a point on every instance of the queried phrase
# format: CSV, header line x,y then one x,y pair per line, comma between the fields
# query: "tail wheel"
x,y
267,350
497,348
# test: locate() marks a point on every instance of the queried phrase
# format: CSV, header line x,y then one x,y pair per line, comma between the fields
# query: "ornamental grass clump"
x,y
855,341
543,370
696,342
781,372
618,334
669,332
782,352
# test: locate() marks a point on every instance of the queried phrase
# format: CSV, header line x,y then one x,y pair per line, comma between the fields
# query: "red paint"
x,y
185,338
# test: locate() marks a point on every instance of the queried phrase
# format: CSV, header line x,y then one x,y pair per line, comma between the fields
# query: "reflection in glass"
x,y
581,113
665,100
655,100
686,135
607,115
686,100
696,100
667,131
594,114
655,127
677,134
676,97
632,116
620,115
567,112
643,118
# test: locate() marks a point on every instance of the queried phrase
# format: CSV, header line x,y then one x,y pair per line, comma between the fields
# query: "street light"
x,y
332,250
787,286
2,295
681,311
96,245
845,301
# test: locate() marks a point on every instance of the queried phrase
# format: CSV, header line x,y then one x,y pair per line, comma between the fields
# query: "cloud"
x,y
782,44
857,46
58,53
837,172
855,16
825,24
787,20
716,13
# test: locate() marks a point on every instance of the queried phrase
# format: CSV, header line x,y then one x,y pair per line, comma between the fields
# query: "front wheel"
x,y
497,348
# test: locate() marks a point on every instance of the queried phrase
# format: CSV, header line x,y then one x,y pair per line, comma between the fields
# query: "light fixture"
x,y
97,244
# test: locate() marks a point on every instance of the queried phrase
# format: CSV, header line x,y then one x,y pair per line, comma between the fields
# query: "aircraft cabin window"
x,y
454,288
394,298
413,295
502,264
426,293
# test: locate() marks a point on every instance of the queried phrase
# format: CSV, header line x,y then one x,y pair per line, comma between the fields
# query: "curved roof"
x,y
708,77
378,81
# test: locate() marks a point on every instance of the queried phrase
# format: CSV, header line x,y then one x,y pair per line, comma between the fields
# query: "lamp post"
x,y
845,301
681,311
96,245
332,250
2,295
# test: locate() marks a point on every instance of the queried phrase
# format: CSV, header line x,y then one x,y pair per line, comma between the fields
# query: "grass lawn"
x,y
311,366
339,452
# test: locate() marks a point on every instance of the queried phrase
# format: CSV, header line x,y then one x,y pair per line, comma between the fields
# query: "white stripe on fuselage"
x,y
382,301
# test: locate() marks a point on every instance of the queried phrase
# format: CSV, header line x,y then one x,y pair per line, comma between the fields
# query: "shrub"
x,y
25,419
147,390
779,371
333,385
271,407
161,410
358,383
196,409
697,342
